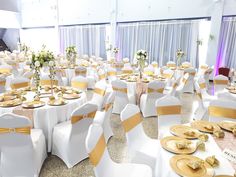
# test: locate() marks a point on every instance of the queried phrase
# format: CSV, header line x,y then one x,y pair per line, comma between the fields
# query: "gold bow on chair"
x,y
80,72
221,82
167,76
111,73
127,71
80,85
77,118
5,70
124,90
19,85
96,154
217,111
22,130
132,122
160,90
102,76
202,85
99,91
169,110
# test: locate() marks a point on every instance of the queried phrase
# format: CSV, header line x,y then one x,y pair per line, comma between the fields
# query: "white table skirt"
x,y
47,117
163,168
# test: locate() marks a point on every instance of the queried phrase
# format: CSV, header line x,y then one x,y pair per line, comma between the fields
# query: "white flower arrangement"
x,y
179,55
141,55
71,54
126,60
116,50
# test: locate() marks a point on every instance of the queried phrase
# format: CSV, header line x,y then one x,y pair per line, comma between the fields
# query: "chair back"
x,y
101,75
111,74
170,64
220,83
81,71
149,70
155,89
222,110
186,64
97,150
2,84
28,74
224,71
155,64
120,88
79,82
19,82
5,69
45,80
98,94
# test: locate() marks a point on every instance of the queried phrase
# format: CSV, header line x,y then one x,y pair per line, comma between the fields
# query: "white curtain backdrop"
x,y
89,39
227,45
161,39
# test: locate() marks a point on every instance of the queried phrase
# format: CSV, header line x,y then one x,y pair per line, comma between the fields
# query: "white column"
x,y
216,20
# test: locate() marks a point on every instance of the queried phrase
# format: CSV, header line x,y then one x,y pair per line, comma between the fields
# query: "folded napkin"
x,y
209,127
211,160
219,134
203,137
195,164
182,144
189,133
201,145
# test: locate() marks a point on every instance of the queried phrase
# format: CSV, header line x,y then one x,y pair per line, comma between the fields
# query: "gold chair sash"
x,y
160,90
202,85
5,70
80,72
155,65
127,71
108,106
102,76
171,65
204,67
168,76
22,130
192,73
48,82
124,90
220,82
217,111
99,91
169,110
77,118
19,85
111,73
149,73
132,122
96,154
2,83
80,85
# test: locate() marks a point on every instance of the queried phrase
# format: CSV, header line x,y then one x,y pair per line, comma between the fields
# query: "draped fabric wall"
x,y
89,39
227,45
161,39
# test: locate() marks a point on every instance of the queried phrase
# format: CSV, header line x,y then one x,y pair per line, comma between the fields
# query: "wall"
x,y
10,5
11,38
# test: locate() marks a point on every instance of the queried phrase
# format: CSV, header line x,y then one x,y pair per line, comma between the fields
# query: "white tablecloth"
x,y
47,117
163,168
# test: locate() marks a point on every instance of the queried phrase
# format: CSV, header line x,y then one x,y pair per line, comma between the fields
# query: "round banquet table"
x,y
47,117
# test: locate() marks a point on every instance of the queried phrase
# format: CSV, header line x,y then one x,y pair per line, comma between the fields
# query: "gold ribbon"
x,y
117,65
102,76
169,110
217,111
204,67
5,70
99,91
80,72
2,83
107,106
221,82
96,154
200,95
22,130
132,122
184,80
127,71
111,73
171,65
149,73
202,85
192,73
155,65
160,90
124,90
80,85
19,85
169,76
77,118
48,82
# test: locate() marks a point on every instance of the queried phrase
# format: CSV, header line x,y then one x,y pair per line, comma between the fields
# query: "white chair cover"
x,y
111,74
147,101
19,82
100,159
189,86
181,85
23,151
45,80
2,84
69,137
220,83
79,82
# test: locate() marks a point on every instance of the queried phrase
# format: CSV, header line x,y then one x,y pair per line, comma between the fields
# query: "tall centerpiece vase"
x,y
71,55
179,55
141,57
51,73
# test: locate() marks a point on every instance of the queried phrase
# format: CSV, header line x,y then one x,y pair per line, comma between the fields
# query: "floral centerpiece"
x,y
71,54
179,55
141,57
115,50
44,58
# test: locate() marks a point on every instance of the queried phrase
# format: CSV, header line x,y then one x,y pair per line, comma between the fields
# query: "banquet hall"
x,y
117,88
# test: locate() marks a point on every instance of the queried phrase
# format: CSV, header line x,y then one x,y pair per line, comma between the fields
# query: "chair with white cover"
x,y
46,81
5,69
103,165
19,82
186,64
169,75
127,69
2,84
61,76
79,82
102,75
181,85
69,137
203,87
220,83
111,74
189,86
28,74
147,101
122,98
149,70
81,71
141,148
222,110
207,75
104,117
171,64
99,94
169,113
23,150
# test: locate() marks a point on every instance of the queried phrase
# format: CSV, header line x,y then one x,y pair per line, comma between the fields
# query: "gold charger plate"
x,y
226,125
231,88
179,164
201,124
223,176
71,96
57,102
7,98
169,144
33,104
11,103
180,130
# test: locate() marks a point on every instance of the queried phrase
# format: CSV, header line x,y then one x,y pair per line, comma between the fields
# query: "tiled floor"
x,y
54,167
